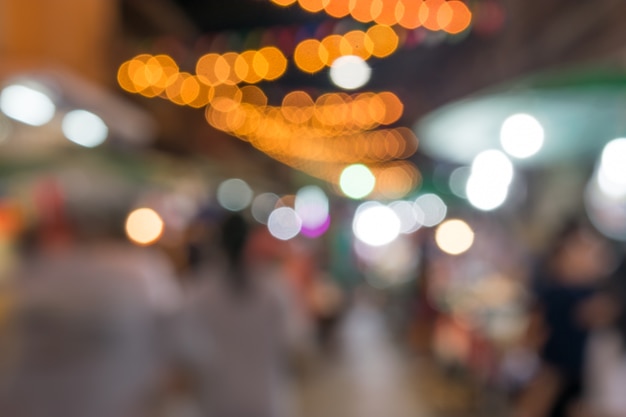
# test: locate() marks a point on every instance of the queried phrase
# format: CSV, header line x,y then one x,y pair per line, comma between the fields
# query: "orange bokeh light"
x,y
308,56
387,14
313,6
284,3
361,10
338,8
461,17
384,39
205,69
360,44
408,13
276,63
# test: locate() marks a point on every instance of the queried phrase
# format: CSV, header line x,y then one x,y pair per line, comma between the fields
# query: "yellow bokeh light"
x,y
454,236
385,40
144,226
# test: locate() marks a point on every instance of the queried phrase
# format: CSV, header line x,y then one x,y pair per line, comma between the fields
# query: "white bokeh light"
x,y
350,72
411,219
484,194
357,181
458,181
284,223
491,175
234,194
521,135
311,204
612,169
376,224
494,165
263,205
84,128
433,208
27,105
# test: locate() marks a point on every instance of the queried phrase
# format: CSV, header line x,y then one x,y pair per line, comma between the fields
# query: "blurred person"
x,y
568,281
83,337
240,330
606,365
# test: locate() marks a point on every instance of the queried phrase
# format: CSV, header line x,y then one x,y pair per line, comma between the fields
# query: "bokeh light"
x,y
311,205
434,209
144,226
494,165
375,224
84,128
458,181
357,181
27,104
454,236
263,205
612,169
521,135
284,223
485,194
234,194
350,72
489,181
411,217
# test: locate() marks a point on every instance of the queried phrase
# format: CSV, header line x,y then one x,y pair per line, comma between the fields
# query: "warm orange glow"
x,y
310,56
429,14
229,69
226,97
335,45
360,44
313,6
387,14
408,13
338,8
460,19
189,90
284,3
205,69
361,10
396,180
124,78
384,39
297,107
174,88
253,95
276,63
393,107
144,226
